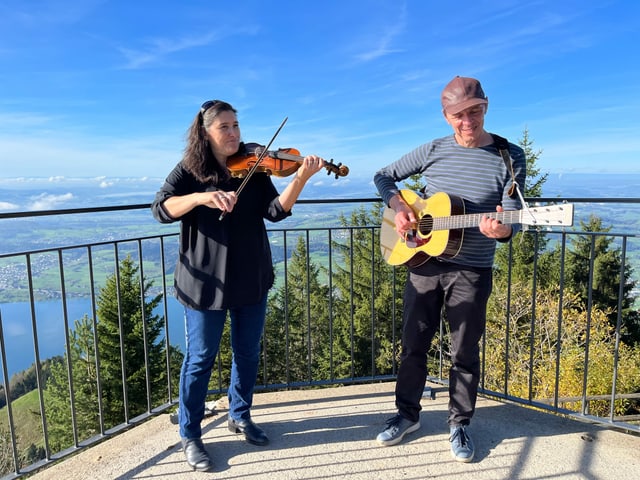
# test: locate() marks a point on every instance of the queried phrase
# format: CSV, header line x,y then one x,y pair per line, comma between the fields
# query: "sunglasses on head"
x,y
207,105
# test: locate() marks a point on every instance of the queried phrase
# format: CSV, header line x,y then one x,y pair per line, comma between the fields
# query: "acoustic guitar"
x,y
441,222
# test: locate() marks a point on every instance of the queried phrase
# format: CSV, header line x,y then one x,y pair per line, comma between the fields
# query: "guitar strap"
x,y
502,145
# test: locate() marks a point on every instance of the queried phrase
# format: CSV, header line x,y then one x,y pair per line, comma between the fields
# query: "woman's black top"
x,y
222,263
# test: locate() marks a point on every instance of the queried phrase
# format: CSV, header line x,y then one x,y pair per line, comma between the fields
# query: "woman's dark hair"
x,y
198,157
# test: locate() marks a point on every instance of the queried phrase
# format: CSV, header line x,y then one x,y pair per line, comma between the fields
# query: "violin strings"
x,y
253,168
260,157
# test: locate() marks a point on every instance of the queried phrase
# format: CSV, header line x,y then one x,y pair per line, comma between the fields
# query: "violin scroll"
x,y
337,169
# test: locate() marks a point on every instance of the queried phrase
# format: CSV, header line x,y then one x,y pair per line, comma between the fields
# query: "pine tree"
x,y
605,278
514,260
221,372
297,328
84,381
510,369
124,317
365,342
121,298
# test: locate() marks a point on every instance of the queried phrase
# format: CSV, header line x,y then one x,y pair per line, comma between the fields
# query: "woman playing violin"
x,y
224,266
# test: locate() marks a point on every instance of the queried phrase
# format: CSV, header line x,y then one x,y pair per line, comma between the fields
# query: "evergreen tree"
x,y
85,397
515,259
25,381
297,328
535,318
124,289
279,364
365,342
535,179
125,317
221,372
606,280
125,314
415,183
33,454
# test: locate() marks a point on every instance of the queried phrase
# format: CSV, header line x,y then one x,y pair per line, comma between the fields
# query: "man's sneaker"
x,y
397,428
461,444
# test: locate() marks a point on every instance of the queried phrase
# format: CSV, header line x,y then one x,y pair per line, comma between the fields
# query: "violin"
x,y
280,163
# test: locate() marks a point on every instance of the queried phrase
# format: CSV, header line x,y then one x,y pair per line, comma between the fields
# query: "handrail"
x,y
319,201
328,237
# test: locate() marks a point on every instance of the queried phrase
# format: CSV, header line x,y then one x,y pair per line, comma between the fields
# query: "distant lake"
x,y
18,329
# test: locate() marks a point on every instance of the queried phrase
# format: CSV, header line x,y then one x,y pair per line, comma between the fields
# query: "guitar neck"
x,y
473,219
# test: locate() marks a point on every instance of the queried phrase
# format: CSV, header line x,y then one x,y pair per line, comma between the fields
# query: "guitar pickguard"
x,y
413,240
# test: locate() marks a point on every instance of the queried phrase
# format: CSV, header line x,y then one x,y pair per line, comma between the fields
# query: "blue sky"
x,y
108,88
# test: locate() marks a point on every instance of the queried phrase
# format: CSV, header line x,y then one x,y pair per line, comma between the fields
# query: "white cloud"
x,y
47,201
8,206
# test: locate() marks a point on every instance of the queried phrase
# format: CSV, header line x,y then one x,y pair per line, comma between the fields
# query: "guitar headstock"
x,y
548,216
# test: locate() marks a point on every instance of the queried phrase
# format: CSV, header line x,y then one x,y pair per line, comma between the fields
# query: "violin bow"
x,y
255,165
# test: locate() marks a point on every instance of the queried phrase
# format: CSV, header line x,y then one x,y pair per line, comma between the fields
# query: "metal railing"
x,y
47,289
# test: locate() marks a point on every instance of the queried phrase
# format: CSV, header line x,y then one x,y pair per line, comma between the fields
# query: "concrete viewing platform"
x,y
330,433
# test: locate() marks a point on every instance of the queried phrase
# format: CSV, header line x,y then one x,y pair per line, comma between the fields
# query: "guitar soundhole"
x,y
425,225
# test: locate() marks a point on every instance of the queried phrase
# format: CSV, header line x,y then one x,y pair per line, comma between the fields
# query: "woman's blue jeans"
x,y
203,329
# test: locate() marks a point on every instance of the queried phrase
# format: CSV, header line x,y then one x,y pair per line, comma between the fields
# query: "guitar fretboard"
x,y
467,220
